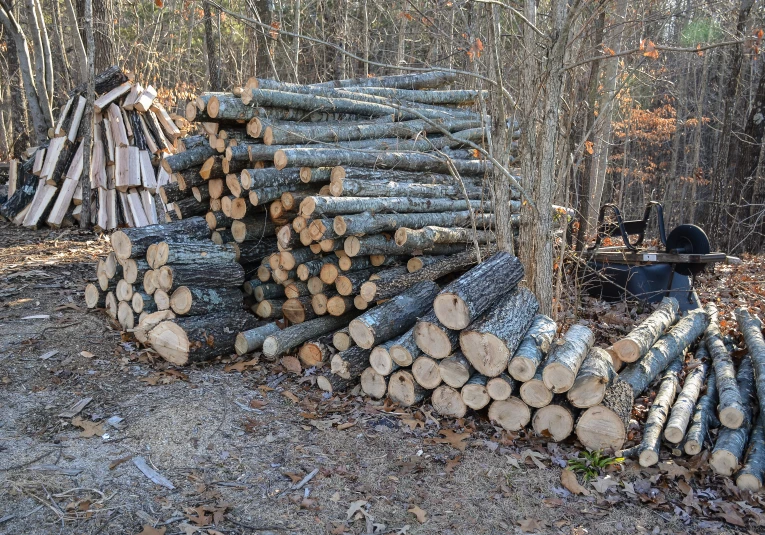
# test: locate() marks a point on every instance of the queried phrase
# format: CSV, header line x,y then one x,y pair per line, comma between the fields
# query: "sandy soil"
x,y
232,444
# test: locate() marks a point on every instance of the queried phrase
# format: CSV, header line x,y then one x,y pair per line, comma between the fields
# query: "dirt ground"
x,y
233,444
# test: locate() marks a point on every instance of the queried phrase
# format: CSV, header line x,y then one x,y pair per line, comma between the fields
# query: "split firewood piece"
x,y
133,242
313,353
104,100
381,361
404,390
555,420
667,348
533,348
490,341
596,373
639,341
342,339
426,372
269,309
281,342
752,474
730,411
605,425
731,443
455,370
704,418
394,317
198,338
511,414
535,393
751,328
210,275
682,410
501,387
387,288
199,301
465,299
566,357
657,416
143,103
474,392
433,339
374,384
404,350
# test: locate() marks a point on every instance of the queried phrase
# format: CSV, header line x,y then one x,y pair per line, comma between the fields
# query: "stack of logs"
x,y
132,133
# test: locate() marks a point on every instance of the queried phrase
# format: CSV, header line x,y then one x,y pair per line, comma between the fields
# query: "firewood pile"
x,y
132,133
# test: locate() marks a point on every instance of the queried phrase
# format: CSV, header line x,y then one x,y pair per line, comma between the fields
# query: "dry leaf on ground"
x,y
290,396
454,439
242,365
530,525
356,507
148,530
89,429
571,484
292,364
422,516
602,484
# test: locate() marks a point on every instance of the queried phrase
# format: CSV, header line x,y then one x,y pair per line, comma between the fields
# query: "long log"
x,y
404,390
280,343
379,244
209,275
639,341
682,410
374,188
133,242
605,425
489,342
751,328
195,301
393,317
349,364
670,346
429,237
252,229
566,357
752,474
185,251
374,223
658,414
730,411
314,353
703,418
374,290
454,96
315,206
187,159
533,348
269,309
252,339
465,299
729,449
424,80
596,373
511,414
198,338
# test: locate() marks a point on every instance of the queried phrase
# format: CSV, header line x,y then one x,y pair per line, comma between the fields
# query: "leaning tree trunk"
x,y
682,410
657,416
490,342
566,357
533,348
465,299
639,341
731,443
730,411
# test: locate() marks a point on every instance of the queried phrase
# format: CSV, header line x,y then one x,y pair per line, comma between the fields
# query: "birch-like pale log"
x,y
639,341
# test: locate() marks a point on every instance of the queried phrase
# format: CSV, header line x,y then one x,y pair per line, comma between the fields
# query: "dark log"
x,y
332,383
196,301
252,340
280,343
183,251
133,242
670,346
605,425
340,173
511,414
313,268
349,364
596,373
269,309
299,309
375,188
465,299
339,305
533,348
657,416
251,252
730,411
252,229
752,474
134,270
381,361
187,159
350,283
639,341
26,187
703,418
490,341
198,338
268,291
342,339
374,223
682,410
731,443
393,317
296,289
212,275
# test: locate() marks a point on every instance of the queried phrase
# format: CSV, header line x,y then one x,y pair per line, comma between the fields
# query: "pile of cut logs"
x,y
132,133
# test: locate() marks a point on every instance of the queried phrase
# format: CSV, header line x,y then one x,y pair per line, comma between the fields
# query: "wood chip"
x,y
76,408
152,474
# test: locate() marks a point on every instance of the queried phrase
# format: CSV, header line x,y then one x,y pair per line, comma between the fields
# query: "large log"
x,y
670,346
185,251
682,410
489,342
252,340
729,449
555,420
447,401
375,188
404,390
280,343
429,237
511,413
751,328
198,338
596,373
315,206
196,301
730,411
566,357
350,363
703,418
455,370
375,223
434,339
252,229
376,290
465,299
639,341
752,474
380,244
206,275
658,414
393,317
533,348
605,425
133,242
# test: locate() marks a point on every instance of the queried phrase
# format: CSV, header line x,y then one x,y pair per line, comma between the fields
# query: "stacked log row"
x,y
132,134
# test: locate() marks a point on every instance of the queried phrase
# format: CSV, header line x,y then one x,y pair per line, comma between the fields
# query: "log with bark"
x,y
730,410
535,393
199,301
731,443
194,339
380,244
374,384
379,188
596,373
404,390
752,474
658,414
751,328
566,357
316,206
209,275
639,341
252,340
489,342
511,414
474,392
703,419
183,251
501,387
682,410
133,242
380,360
455,370
404,350
342,339
426,372
280,343
269,309
351,363
533,348
605,425
393,317
429,237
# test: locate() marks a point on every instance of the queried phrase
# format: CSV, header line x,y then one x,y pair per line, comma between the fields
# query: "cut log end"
x,y
731,417
92,296
587,392
648,458
536,394
522,369
486,352
432,340
448,402
426,372
512,413
558,377
600,428
626,350
748,482
171,342
404,390
361,334
554,421
240,344
373,384
723,462
452,311
674,434
180,301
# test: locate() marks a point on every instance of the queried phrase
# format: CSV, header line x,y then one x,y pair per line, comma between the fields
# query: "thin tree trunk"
x,y
213,60
77,44
88,119
19,140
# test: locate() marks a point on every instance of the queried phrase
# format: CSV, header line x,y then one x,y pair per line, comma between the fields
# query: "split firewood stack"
x,y
132,133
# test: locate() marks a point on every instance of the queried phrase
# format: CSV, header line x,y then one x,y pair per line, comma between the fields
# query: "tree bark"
x,y
315,206
751,328
374,188
682,410
752,474
283,341
429,237
657,416
730,411
213,61
199,301
703,419
639,341
380,244
374,223
533,348
566,357
209,275
731,443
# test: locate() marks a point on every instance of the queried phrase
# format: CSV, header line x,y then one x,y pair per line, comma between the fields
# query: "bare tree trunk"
x,y
88,119
47,56
79,48
695,169
213,60
103,34
19,140
40,61
296,44
60,47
